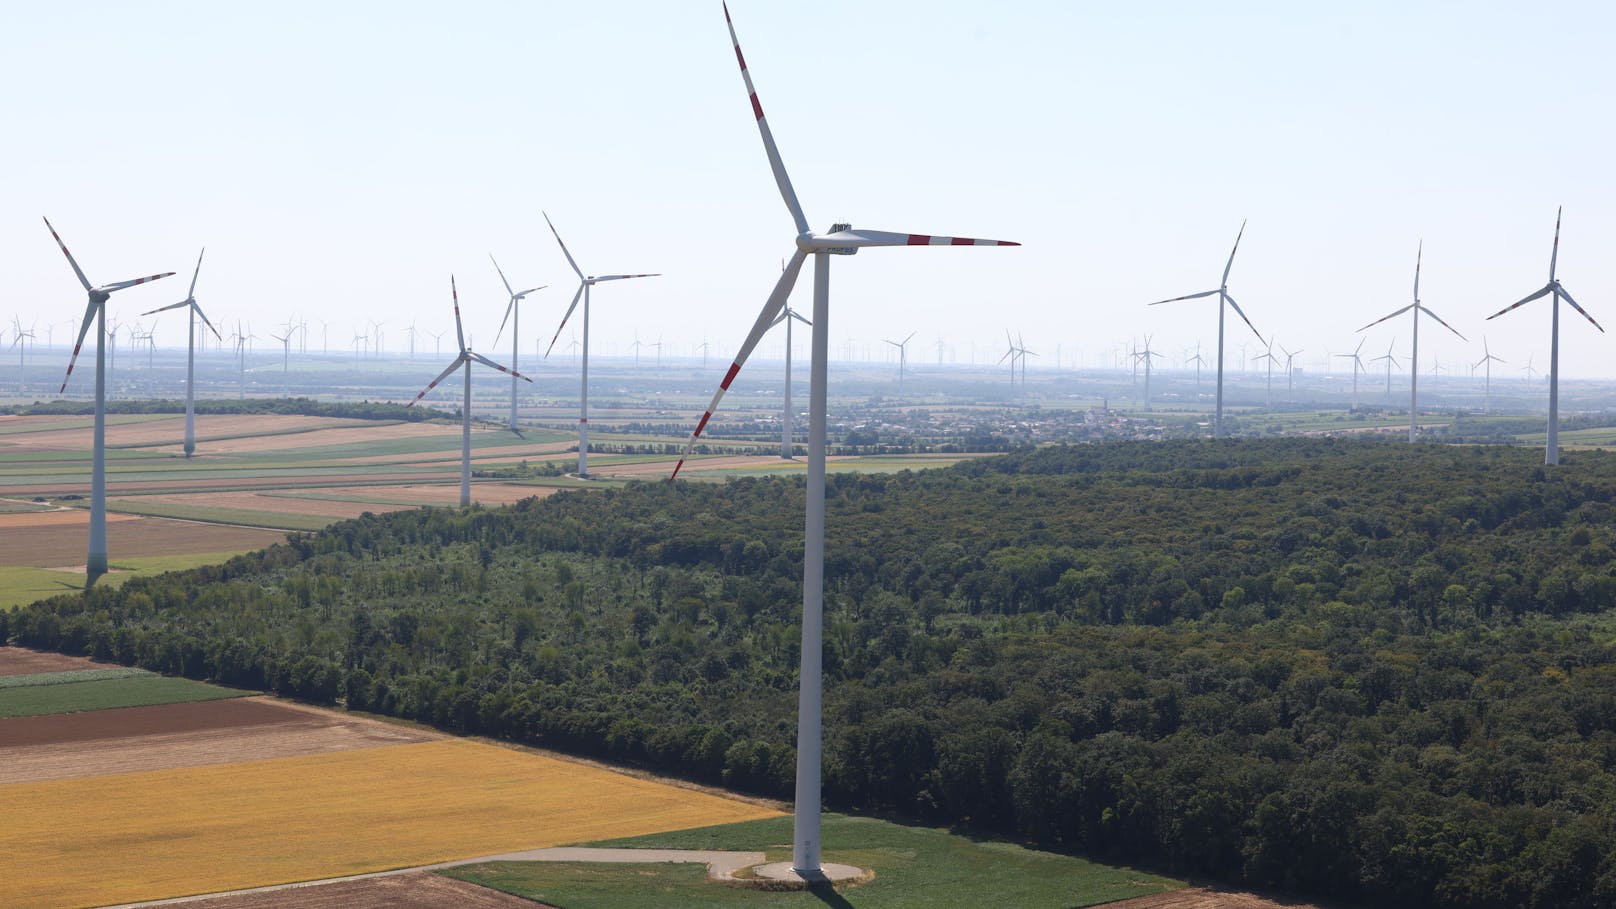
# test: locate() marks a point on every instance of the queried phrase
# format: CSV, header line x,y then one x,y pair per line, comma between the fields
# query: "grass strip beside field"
x,y
915,868
137,691
167,833
39,679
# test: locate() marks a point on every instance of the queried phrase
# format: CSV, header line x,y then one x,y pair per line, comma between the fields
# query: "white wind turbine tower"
x,y
1199,361
1530,372
515,319
1357,367
584,285
1551,449
903,355
192,311
787,315
1290,372
1487,360
95,563
20,339
842,240
1414,356
286,353
437,341
1222,292
465,359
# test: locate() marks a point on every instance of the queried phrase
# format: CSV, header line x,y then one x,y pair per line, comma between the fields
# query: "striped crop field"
x,y
138,836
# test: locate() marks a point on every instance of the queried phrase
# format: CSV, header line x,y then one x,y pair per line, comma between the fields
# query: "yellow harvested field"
x,y
61,517
166,833
332,432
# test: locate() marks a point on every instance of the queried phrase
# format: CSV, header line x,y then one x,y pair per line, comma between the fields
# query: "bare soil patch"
x,y
335,432
66,517
129,536
172,430
136,739
413,890
22,661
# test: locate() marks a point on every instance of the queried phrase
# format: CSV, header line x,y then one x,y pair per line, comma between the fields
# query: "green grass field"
x,y
915,868
22,584
136,691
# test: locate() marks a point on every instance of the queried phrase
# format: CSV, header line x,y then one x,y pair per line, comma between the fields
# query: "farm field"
x,y
101,694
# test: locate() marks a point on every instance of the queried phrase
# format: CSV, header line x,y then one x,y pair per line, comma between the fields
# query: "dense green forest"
x,y
1372,671
307,407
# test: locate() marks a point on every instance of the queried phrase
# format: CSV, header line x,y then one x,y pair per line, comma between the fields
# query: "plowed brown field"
x,y
415,890
1199,898
134,739
22,661
128,537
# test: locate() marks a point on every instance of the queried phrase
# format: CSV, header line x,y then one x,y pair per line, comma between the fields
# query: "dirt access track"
x,y
414,890
135,739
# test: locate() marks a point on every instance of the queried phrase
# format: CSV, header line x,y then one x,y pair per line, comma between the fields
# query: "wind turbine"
x,y
1146,355
95,563
903,352
515,319
1223,297
1012,353
1391,361
1024,353
21,338
842,240
192,312
1357,366
1268,354
787,314
465,358
1487,360
286,352
1551,448
1290,373
1530,372
1199,361
584,285
1414,356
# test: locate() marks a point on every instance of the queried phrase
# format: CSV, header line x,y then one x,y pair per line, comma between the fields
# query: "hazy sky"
x,y
339,161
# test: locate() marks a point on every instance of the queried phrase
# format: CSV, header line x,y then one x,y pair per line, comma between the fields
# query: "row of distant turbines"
x,y
1553,289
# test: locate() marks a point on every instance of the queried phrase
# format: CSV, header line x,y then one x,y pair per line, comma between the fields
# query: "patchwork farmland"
x,y
212,791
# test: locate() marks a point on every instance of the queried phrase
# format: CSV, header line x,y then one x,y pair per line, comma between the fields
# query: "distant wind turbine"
x,y
95,563
1391,361
516,297
1487,360
1414,357
1551,448
465,359
584,285
1268,354
1146,355
192,311
903,355
841,240
1222,292
1357,367
787,315
1290,372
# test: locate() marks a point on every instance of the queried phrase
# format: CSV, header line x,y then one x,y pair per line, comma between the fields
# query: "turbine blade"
x,y
601,278
859,239
1523,301
1204,293
1553,257
441,376
908,339
1559,287
84,328
70,260
1242,315
1418,255
563,246
532,290
205,320
192,292
167,308
771,308
564,319
799,317
455,293
1391,316
120,285
1231,254
490,363
508,307
781,178
1446,325
501,274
